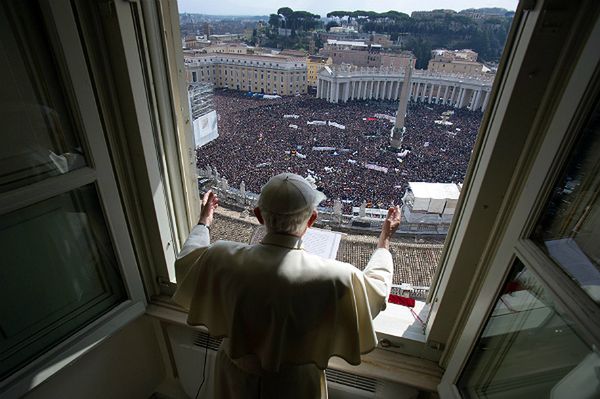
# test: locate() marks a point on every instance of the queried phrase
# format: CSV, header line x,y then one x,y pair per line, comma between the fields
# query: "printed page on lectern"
x,y
324,243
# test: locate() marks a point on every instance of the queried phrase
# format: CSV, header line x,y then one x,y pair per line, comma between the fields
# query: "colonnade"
x,y
456,91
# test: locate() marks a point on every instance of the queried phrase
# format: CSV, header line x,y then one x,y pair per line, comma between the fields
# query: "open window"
x,y
531,325
68,264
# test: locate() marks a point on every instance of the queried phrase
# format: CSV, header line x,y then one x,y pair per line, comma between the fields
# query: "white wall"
x,y
128,365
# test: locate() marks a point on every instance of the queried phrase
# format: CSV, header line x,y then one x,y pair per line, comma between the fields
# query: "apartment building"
x,y
455,62
372,59
264,73
314,63
229,48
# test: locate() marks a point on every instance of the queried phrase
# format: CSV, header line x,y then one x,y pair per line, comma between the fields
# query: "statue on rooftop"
x,y
362,212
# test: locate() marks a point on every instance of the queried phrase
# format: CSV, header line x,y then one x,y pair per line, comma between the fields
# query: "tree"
x,y
421,48
275,21
330,25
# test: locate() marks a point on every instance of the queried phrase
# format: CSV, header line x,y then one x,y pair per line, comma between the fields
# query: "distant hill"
x,y
481,29
488,11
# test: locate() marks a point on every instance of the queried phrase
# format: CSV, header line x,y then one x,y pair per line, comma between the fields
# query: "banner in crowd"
x,y
376,167
388,117
205,129
320,123
323,148
292,116
334,124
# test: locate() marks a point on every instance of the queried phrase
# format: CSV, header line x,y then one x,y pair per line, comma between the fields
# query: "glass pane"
x,y
528,349
58,273
38,135
569,229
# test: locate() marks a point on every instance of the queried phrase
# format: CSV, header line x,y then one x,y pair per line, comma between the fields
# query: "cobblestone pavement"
x,y
414,262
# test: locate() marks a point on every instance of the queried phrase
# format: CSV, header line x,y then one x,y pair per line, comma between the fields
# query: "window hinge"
x,y
166,286
438,346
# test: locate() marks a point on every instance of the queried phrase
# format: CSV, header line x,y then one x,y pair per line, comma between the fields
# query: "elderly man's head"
x,y
287,204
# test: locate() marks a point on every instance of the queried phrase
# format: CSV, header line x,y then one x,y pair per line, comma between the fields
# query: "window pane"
x,y
528,349
569,228
38,135
58,273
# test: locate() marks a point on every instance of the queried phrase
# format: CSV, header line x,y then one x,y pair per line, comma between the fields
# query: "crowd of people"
x,y
256,142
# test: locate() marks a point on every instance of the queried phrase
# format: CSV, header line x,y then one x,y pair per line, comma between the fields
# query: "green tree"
x,y
275,21
330,25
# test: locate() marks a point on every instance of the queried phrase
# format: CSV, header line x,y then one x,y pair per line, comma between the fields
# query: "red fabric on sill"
x,y
401,300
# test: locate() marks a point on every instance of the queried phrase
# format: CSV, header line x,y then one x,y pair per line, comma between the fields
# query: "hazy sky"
x,y
266,7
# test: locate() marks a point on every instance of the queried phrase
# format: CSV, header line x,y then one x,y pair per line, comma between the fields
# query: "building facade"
x,y
268,74
362,54
455,61
314,64
229,48
343,83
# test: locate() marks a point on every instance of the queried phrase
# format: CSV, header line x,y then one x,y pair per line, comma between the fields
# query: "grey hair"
x,y
293,223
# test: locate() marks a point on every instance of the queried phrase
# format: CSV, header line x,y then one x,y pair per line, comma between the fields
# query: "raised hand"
x,y
391,224
210,202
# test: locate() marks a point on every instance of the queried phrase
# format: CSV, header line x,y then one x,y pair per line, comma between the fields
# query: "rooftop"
x,y
434,190
262,57
414,261
347,43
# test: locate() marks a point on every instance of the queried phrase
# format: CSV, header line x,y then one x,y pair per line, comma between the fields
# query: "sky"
x,y
266,7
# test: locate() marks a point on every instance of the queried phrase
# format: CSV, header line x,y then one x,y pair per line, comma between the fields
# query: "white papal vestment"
x,y
284,312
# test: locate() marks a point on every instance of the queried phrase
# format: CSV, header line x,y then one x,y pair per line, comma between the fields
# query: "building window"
x,y
58,189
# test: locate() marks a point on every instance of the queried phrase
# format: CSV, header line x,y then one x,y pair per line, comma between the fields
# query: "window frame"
x,y
72,66
444,327
551,141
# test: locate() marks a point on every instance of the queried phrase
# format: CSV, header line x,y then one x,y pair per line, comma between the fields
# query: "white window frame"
x,y
166,164
550,144
99,171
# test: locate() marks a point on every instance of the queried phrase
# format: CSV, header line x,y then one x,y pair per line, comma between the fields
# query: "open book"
x,y
324,243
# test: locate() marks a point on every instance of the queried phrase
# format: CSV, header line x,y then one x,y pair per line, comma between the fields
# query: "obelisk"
x,y
399,129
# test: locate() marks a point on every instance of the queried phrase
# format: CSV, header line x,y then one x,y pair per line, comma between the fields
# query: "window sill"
x,y
402,362
69,351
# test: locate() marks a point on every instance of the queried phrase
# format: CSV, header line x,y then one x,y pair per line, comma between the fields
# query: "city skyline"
x,y
240,8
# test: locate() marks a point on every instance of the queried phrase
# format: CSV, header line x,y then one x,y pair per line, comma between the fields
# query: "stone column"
x,y
346,91
455,95
430,93
333,92
478,101
485,101
464,98
445,95
474,100
437,98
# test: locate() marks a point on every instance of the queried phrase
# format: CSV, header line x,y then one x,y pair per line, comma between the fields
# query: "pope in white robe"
x,y
282,311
